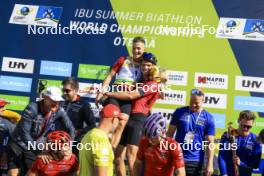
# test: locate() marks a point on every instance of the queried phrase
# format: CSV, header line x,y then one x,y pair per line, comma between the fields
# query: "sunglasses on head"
x,y
197,92
246,126
149,57
66,90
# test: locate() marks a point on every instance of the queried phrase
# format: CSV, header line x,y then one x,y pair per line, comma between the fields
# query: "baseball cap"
x,y
54,93
3,103
110,111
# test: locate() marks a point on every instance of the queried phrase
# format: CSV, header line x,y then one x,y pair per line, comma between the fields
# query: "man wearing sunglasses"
x,y
78,110
126,71
38,120
261,140
194,126
248,153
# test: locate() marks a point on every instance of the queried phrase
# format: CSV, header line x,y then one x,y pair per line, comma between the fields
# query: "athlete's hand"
x,y
209,170
98,98
45,158
236,160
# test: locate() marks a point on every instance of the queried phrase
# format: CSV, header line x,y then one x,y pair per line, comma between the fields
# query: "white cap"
x,y
53,93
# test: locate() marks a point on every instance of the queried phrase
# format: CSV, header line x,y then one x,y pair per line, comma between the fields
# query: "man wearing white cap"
x,y
38,120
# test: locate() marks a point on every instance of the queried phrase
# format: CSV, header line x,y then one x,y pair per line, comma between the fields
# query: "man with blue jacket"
x,y
248,152
38,120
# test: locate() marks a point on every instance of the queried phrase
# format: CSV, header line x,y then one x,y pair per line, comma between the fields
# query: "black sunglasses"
x,y
66,90
246,126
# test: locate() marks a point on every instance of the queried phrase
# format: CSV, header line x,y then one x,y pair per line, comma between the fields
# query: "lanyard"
x,y
46,119
189,123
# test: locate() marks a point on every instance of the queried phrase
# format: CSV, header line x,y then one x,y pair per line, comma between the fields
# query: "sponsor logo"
x,y
253,84
35,15
243,29
88,90
254,29
164,112
177,78
209,80
17,103
230,27
48,15
249,103
212,100
23,14
17,65
44,83
220,120
174,97
13,83
88,71
56,68
260,124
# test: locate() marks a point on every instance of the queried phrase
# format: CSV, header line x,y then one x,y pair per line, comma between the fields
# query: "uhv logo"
x,y
251,84
212,100
246,83
17,65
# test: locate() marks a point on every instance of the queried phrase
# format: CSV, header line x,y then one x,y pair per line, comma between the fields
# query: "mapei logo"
x,y
17,65
253,84
217,101
209,80
174,97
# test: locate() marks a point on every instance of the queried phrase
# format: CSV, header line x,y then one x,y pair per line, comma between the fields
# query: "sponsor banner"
x,y
89,71
177,77
175,97
35,15
23,14
210,80
220,120
260,124
212,100
56,68
249,103
44,83
230,28
11,64
48,16
13,83
254,30
164,112
239,28
253,84
17,103
88,90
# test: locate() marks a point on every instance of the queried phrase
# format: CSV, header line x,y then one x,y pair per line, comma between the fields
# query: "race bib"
x,y
189,137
